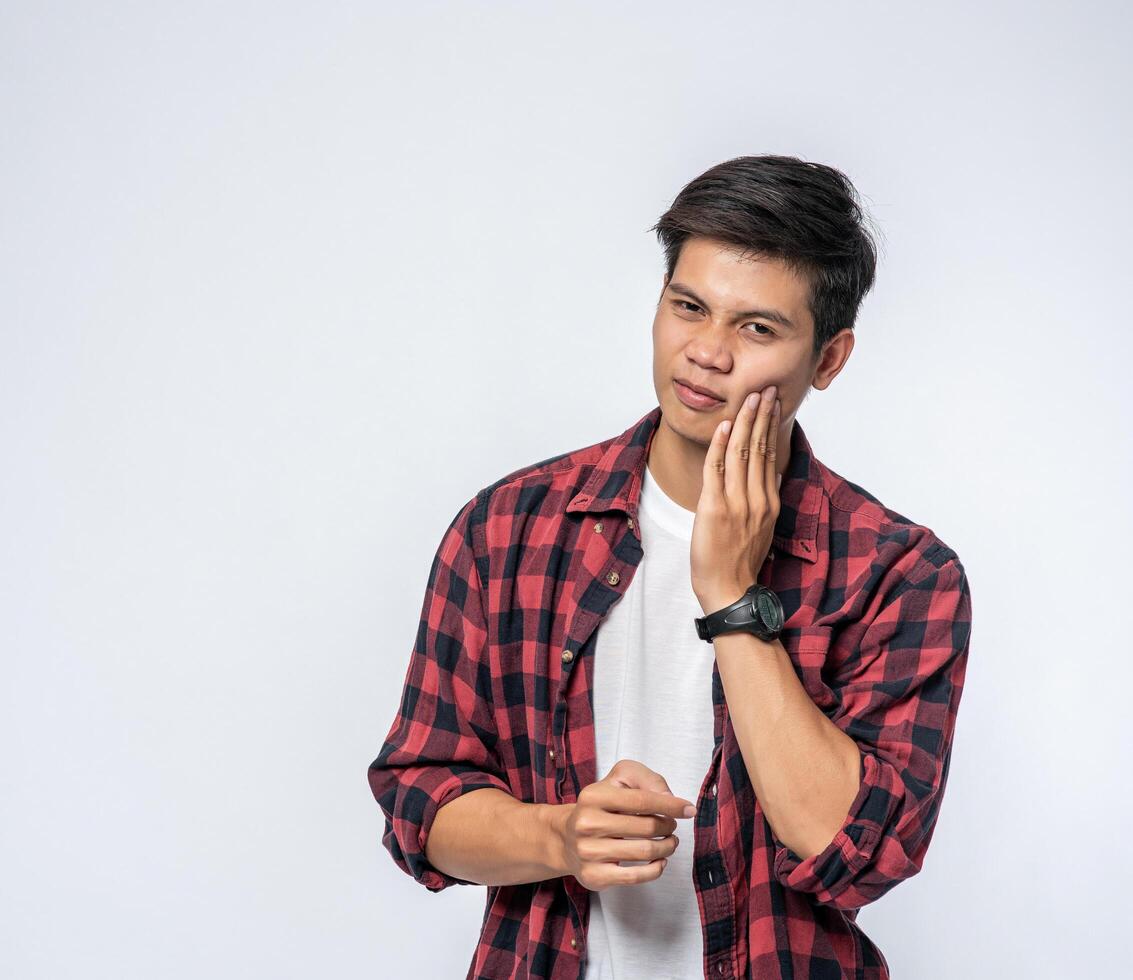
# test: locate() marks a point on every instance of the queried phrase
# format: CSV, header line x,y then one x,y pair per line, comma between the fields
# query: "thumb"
x,y
640,776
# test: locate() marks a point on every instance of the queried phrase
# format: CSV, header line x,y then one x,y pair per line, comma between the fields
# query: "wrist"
x,y
719,595
553,817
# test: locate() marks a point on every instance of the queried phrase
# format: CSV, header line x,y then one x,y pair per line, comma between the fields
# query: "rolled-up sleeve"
x,y
897,698
442,743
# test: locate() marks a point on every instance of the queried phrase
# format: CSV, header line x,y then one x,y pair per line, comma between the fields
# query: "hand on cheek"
x,y
739,502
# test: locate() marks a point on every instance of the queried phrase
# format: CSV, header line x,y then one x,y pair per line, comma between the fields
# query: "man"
x,y
696,611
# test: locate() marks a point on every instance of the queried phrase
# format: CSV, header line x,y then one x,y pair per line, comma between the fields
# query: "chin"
x,y
700,435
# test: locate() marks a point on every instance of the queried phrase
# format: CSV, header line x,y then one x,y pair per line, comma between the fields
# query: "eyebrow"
x,y
774,315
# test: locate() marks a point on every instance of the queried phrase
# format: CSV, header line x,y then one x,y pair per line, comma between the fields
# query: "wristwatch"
x,y
757,611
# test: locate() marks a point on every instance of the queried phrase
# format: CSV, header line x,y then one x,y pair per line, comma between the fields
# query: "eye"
x,y
760,329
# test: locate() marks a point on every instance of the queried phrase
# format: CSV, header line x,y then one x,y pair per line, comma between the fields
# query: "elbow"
x,y
882,842
410,798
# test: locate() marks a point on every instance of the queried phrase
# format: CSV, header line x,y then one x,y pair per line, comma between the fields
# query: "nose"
x,y
707,346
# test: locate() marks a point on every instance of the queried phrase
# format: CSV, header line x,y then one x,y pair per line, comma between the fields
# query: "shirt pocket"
x,y
809,649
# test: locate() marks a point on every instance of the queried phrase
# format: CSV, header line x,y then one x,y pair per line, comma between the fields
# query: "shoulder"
x,y
528,483
864,529
539,490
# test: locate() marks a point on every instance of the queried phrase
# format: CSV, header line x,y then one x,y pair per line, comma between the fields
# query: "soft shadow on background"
x,y
284,285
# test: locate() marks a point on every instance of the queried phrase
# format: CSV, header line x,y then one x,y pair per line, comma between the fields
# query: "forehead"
x,y
727,277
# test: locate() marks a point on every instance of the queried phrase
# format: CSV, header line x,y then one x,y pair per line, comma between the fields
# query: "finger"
x,y
637,775
619,799
636,825
635,874
738,453
713,476
615,849
757,465
772,475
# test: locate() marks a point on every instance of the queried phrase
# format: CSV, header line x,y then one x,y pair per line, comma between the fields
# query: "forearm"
x,y
804,769
489,837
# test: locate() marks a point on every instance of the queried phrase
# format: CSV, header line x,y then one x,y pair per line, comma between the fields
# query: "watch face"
x,y
767,608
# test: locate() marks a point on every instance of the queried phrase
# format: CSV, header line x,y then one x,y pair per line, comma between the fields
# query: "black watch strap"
x,y
758,611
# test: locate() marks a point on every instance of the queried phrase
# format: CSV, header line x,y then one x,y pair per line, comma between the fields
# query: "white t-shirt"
x,y
653,703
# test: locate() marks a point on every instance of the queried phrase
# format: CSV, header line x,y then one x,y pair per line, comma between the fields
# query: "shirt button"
x,y
720,968
629,521
713,789
573,943
598,527
551,753
568,656
613,578
711,878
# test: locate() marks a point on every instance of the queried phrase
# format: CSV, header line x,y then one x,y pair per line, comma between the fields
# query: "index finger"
x,y
623,799
772,468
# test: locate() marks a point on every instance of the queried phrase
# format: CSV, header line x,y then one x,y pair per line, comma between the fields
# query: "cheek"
x,y
787,391
667,341
792,398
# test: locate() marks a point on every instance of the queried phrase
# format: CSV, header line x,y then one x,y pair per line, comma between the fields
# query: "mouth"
x,y
695,396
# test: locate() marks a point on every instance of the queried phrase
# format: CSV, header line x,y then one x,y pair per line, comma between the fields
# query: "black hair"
x,y
807,215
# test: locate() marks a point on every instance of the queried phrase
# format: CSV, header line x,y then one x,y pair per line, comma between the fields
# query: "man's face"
x,y
707,333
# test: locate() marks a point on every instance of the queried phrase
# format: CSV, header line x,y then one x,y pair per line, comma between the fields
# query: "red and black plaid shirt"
x,y
498,694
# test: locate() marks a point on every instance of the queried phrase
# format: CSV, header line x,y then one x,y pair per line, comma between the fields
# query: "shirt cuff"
x,y
830,872
436,788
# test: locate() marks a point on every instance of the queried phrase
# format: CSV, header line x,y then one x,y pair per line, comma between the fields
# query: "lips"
x,y
704,391
696,399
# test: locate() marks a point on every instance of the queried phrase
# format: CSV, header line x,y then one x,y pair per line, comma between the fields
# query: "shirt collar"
x,y
615,484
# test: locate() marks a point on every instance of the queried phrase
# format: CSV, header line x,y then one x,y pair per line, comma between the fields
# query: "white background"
x,y
283,285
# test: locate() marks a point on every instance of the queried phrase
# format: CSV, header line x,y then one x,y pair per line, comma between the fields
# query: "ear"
x,y
833,359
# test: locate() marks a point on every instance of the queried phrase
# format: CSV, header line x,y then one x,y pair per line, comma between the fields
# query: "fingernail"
x,y
752,400
690,811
